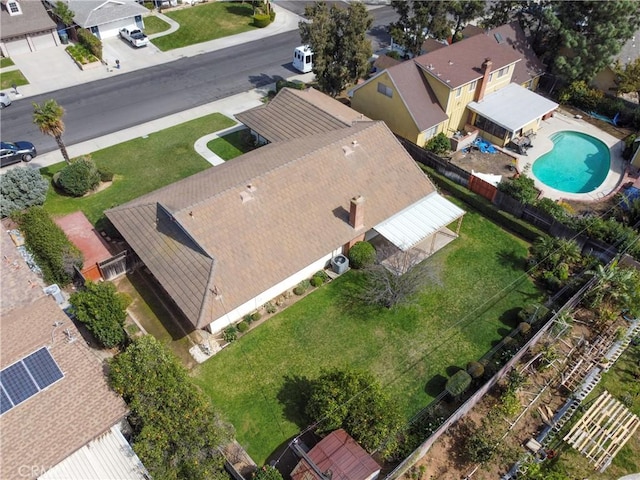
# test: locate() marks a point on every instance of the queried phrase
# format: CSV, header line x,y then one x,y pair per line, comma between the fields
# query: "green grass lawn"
x,y
153,24
478,286
140,166
205,22
231,145
7,79
6,62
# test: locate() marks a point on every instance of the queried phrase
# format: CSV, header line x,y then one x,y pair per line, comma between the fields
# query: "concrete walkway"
x,y
173,26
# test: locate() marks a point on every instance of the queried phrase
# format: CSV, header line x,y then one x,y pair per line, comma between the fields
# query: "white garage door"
x,y
42,42
17,47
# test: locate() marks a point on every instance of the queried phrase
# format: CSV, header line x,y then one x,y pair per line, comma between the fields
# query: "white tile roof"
x,y
416,222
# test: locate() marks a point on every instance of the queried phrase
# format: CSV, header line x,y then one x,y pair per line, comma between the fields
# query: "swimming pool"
x,y
578,163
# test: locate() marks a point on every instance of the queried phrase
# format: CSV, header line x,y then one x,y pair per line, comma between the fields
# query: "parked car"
x,y
5,101
16,152
134,37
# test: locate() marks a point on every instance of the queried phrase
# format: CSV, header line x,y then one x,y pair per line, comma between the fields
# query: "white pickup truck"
x,y
134,37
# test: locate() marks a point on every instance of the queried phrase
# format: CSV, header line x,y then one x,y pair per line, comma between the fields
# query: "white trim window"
x,y
458,92
473,85
385,90
503,71
13,7
430,133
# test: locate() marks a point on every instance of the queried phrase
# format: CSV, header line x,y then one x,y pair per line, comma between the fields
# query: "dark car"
x,y
16,152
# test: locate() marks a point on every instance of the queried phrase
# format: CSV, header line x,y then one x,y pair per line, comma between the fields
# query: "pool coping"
x,y
542,144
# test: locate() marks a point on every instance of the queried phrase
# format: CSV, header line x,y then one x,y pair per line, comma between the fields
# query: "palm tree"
x,y
48,118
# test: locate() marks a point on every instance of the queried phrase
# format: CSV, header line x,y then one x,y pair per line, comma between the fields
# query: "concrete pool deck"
x,y
542,144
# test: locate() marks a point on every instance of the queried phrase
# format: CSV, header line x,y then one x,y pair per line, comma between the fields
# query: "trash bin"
x,y
64,38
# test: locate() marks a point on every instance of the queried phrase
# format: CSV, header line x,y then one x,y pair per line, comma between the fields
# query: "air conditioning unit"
x,y
340,264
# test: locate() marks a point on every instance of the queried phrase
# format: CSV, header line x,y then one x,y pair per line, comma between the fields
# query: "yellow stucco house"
x,y
481,84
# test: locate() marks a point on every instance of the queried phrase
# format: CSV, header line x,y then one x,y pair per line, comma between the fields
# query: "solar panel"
x,y
27,377
43,368
498,37
18,383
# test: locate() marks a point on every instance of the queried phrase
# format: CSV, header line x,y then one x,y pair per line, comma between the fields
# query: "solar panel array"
x,y
25,378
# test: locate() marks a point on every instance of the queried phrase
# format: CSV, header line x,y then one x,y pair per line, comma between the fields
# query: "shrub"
x,y
555,209
247,318
302,287
81,54
255,316
580,95
475,369
270,307
478,448
79,177
322,274
524,327
261,20
21,188
272,15
105,175
317,281
458,383
103,310
267,472
296,84
242,326
522,188
54,253
439,144
230,334
90,42
393,54
362,255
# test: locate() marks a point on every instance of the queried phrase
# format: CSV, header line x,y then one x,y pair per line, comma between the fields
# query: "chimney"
x,y
356,212
486,67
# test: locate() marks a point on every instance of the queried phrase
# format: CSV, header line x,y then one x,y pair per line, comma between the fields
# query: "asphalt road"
x,y
106,106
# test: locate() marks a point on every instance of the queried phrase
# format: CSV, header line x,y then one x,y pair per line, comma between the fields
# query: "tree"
x,y
64,13
463,11
396,282
267,472
616,287
439,144
586,35
628,77
417,20
341,49
48,118
176,431
354,401
362,255
103,310
21,188
79,177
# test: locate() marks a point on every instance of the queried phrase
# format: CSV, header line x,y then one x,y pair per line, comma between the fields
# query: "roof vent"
x,y
245,197
450,62
448,81
431,66
346,150
354,143
251,187
439,74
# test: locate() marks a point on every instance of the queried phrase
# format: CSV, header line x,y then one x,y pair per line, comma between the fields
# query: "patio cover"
x,y
513,107
418,221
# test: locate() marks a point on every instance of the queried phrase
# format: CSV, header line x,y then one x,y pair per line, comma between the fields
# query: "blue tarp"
x,y
630,195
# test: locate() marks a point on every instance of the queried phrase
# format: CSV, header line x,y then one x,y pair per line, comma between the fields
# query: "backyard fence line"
x,y
422,450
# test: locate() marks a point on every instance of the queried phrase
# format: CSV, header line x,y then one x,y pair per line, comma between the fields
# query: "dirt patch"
x,y
494,163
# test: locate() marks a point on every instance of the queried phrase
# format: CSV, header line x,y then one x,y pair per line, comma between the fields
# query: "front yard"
x,y
477,286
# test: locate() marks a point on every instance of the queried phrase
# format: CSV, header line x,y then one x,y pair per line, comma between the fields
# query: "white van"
x,y
303,59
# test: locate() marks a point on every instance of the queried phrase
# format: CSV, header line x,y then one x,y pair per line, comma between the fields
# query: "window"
x,y
473,85
490,127
430,133
14,8
503,71
491,76
383,89
458,91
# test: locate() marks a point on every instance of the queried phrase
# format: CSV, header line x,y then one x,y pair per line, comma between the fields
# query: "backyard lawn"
x,y
205,22
140,166
477,286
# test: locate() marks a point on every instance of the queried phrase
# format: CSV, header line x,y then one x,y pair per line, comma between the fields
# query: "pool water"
x,y
578,163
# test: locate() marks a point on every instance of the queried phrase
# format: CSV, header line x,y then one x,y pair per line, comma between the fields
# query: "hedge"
x,y
261,20
53,252
91,42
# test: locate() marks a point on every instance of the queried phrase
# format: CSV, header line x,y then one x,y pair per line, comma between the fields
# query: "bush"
x,y
230,334
105,175
261,20
272,15
267,472
475,369
478,448
21,188
317,281
302,287
458,383
522,188
90,42
242,327
296,84
362,255
555,209
54,253
103,310
81,54
270,307
79,177
255,316
393,54
580,95
439,144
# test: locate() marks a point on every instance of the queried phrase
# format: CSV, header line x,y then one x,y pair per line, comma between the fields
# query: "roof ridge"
x,y
301,97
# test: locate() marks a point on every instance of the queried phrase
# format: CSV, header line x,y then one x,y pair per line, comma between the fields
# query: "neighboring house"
x,y
105,18
25,27
225,241
55,403
337,456
455,89
606,79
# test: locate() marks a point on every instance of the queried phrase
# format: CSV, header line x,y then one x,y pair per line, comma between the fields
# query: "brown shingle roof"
x,y
340,454
59,420
385,61
417,95
513,38
297,113
296,214
461,62
34,19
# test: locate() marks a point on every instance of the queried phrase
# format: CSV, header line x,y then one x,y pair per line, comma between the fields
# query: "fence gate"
x,y
114,267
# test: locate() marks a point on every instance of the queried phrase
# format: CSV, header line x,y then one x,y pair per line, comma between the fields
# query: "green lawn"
x,y
6,62
231,145
153,24
205,22
7,79
478,285
140,166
